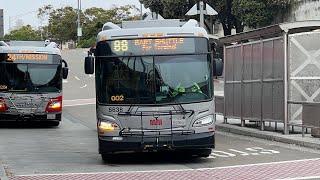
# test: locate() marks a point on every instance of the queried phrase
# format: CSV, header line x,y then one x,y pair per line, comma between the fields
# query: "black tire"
x,y
54,123
107,157
193,153
203,152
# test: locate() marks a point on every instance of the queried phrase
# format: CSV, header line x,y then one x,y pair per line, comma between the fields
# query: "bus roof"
x,y
189,29
29,49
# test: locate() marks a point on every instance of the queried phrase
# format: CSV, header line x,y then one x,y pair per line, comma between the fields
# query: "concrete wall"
x,y
300,11
305,10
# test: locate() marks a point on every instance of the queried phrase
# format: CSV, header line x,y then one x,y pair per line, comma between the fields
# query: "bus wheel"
x,y
107,157
203,152
54,123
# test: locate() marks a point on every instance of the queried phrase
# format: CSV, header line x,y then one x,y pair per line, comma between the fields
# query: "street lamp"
x,y
140,9
79,30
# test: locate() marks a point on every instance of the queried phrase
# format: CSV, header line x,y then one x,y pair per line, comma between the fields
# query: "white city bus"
x,y
154,88
31,83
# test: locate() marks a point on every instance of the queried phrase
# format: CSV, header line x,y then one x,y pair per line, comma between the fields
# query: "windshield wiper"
x,y
180,105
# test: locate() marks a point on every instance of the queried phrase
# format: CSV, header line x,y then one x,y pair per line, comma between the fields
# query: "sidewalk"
x,y
251,129
3,175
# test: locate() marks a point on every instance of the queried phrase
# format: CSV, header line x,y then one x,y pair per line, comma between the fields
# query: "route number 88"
x,y
121,45
117,98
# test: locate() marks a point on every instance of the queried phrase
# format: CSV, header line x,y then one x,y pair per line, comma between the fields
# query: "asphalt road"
x,y
72,147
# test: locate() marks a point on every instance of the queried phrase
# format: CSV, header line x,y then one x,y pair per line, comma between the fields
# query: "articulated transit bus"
x,y
154,89
31,84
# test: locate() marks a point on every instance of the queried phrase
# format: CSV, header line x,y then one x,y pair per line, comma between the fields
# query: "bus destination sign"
x,y
21,57
153,46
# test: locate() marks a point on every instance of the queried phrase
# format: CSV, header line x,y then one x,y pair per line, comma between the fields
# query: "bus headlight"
x,y
205,121
108,125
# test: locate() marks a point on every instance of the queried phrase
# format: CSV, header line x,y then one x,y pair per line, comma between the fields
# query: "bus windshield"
x,y
153,79
19,76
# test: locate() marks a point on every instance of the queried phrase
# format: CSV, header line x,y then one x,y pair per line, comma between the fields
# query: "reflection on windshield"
x,y
154,79
186,78
30,77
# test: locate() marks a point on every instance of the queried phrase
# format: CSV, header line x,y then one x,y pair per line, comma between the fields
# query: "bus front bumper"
x,y
30,117
138,144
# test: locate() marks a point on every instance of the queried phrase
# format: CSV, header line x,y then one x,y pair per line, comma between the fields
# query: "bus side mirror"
x,y
89,65
65,70
217,67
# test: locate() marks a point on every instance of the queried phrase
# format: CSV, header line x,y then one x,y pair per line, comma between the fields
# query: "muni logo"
x,y
155,122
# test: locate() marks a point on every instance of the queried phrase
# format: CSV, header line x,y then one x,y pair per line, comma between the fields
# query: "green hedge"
x,y
86,43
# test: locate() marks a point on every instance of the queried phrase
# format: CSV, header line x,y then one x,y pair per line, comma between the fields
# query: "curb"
x,y
273,136
3,175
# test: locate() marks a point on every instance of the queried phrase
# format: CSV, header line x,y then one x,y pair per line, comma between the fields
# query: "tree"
x,y
154,5
62,22
231,13
94,18
252,13
25,33
257,13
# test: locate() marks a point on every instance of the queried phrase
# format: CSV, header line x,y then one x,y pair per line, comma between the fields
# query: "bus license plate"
x,y
51,116
178,122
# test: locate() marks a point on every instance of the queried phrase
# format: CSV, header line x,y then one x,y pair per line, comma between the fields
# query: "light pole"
x,y
208,10
140,9
79,30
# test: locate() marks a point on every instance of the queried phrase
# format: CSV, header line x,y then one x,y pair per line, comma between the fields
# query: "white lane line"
x,y
301,178
77,100
77,78
80,104
113,172
83,86
90,75
187,169
260,164
240,152
64,81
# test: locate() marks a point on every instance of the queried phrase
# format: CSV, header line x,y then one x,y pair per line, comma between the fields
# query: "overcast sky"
x,y
14,8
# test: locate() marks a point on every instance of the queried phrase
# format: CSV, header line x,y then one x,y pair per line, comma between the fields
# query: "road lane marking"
x,y
253,151
240,152
222,154
78,102
260,164
77,78
301,178
83,86
64,81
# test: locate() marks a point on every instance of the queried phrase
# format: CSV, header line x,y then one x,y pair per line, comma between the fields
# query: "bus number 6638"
x,y
115,109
